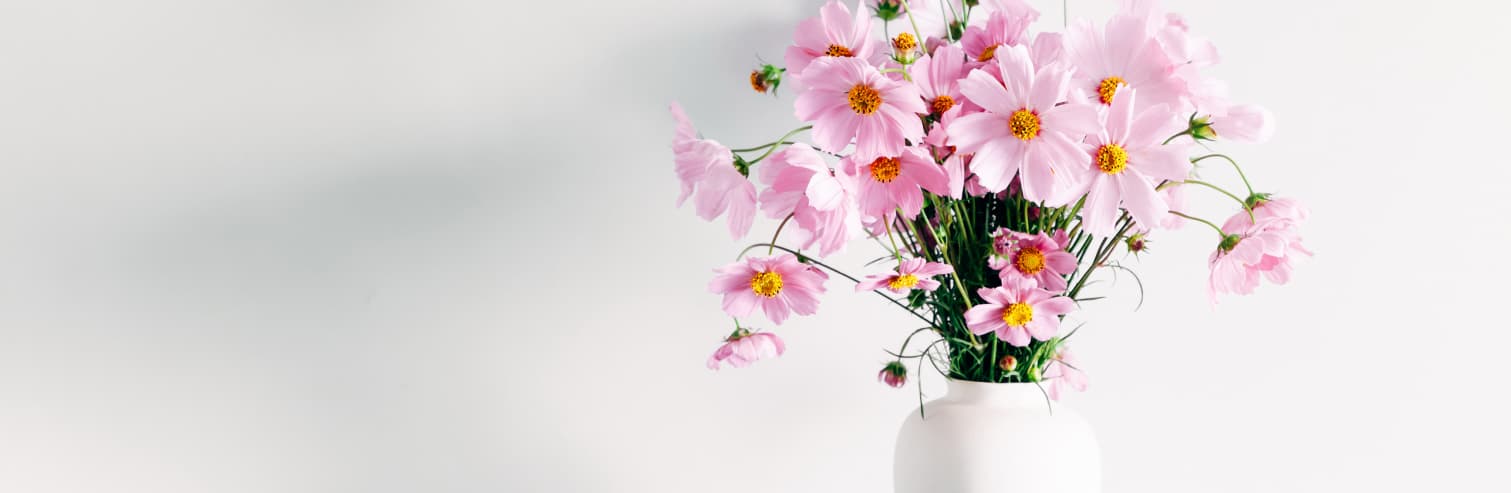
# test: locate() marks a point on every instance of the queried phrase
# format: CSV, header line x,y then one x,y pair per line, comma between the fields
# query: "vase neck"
x,y
996,394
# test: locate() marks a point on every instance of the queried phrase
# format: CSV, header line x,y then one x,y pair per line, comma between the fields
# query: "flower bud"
x,y
1201,128
894,374
766,77
905,48
887,10
1008,363
1138,243
1228,242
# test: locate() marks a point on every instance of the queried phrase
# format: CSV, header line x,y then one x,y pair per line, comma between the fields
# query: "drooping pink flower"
x,y
1025,130
1039,257
1006,27
890,183
834,33
1267,246
1017,310
822,204
707,172
938,79
895,375
1063,374
744,347
1244,123
1123,54
779,286
913,273
848,99
1127,164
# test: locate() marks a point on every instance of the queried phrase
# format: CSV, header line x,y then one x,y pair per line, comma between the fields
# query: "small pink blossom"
x,y
896,182
1041,258
822,204
913,273
1063,374
1017,310
847,99
938,79
1244,123
743,347
779,286
895,375
1123,54
1128,161
1005,27
706,170
832,34
1267,246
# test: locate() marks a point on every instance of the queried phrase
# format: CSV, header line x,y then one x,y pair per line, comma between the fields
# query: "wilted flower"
x,y
744,347
894,374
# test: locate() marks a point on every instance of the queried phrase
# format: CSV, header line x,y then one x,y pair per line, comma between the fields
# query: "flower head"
x,y
938,79
779,285
1062,374
1266,246
1129,161
1244,123
833,34
849,99
895,375
821,203
707,168
1006,27
744,347
1017,310
913,273
890,183
1024,131
1041,258
1123,54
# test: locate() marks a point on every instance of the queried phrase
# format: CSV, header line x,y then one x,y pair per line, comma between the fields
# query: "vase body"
x,y
996,438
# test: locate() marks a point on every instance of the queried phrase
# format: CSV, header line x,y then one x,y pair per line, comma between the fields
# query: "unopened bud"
x,y
894,374
766,78
905,46
1008,363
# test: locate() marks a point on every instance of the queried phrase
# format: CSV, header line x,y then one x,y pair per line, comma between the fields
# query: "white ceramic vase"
x,y
996,438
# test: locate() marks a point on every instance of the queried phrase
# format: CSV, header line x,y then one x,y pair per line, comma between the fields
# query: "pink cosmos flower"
x,y
913,273
743,347
1267,246
833,34
890,183
1062,374
779,285
707,168
895,375
822,204
1041,258
1124,54
1128,163
849,99
1244,123
1017,310
1025,130
1006,27
938,79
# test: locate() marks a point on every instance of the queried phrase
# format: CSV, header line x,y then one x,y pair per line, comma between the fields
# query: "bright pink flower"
x,y
938,79
1123,55
1003,28
1040,257
895,375
1017,310
706,167
744,347
1062,374
1128,162
822,204
847,99
890,183
833,34
913,273
1267,246
1244,123
779,285
1025,130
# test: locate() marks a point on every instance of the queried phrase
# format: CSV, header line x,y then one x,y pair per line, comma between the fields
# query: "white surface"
x,y
402,245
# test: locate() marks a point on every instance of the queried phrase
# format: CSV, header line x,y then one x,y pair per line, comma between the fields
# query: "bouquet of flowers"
x,y
1000,169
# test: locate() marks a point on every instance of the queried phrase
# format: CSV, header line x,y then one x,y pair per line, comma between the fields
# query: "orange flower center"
x,y
987,53
1017,314
757,82
864,100
837,50
942,103
1112,159
766,284
1024,124
1109,88
885,169
904,43
905,281
1029,260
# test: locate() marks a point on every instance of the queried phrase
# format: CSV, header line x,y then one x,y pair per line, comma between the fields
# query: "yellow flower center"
x,y
885,169
1112,159
1109,88
837,50
766,284
905,281
1024,124
756,82
942,103
1029,260
1017,314
904,43
987,53
864,100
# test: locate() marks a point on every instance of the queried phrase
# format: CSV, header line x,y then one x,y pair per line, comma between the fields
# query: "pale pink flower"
x,y
834,33
895,375
1128,162
707,172
889,183
847,99
779,285
1007,27
938,79
1041,258
1063,374
1025,130
822,204
1017,310
1125,54
913,273
743,347
1047,48
1244,123
1267,246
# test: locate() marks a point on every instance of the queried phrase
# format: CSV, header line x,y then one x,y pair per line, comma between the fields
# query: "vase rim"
x,y
1001,393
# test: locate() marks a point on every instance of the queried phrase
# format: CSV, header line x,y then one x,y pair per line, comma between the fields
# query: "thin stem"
x,y
778,234
1176,136
895,251
916,32
1220,232
763,146
776,144
1235,167
1219,189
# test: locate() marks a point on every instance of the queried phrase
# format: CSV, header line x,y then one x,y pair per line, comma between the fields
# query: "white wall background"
x,y
393,246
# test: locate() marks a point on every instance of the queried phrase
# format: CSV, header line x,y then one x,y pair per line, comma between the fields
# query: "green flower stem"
x,y
1220,232
1176,136
763,146
917,33
772,146
810,260
778,234
1230,195
1235,167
